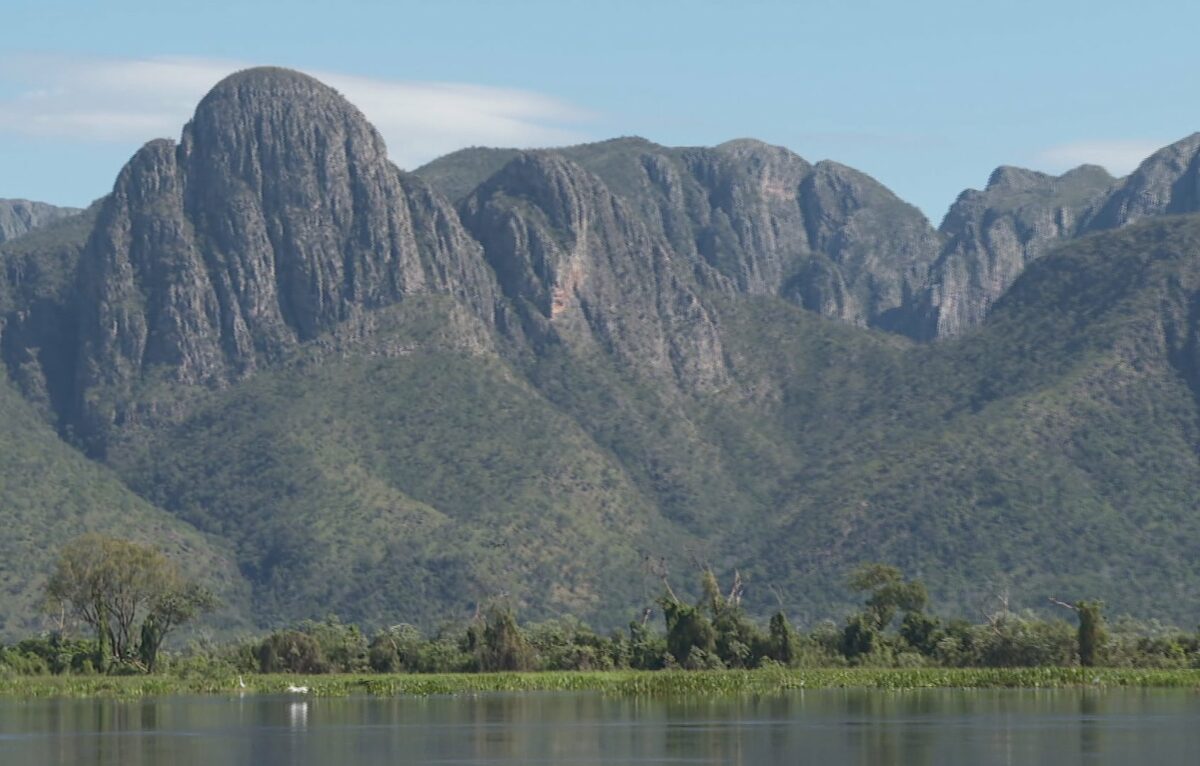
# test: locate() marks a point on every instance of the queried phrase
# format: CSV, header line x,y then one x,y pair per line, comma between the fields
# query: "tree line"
x,y
131,597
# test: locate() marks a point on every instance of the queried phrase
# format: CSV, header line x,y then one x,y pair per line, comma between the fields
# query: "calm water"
x,y
817,727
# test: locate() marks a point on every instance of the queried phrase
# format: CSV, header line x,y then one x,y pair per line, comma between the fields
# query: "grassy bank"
x,y
628,683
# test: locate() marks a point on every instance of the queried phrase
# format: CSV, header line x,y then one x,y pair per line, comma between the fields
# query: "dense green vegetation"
x,y
709,683
892,634
417,464
1050,453
50,493
130,595
438,471
1047,453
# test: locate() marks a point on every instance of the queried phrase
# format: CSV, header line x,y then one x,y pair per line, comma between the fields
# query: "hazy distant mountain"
x,y
1168,181
393,395
992,235
18,216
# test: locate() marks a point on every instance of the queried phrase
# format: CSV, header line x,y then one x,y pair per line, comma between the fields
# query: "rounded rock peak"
x,y
270,79
272,104
1088,173
267,89
747,144
1012,178
537,174
743,150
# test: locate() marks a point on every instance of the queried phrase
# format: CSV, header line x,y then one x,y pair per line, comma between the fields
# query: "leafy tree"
x,y
111,585
178,604
688,631
783,647
568,644
383,654
646,650
504,645
103,640
860,637
740,643
395,649
921,632
888,592
343,646
291,651
1014,640
1091,635
712,597
472,642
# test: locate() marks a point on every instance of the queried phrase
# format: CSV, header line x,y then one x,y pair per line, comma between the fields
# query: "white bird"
x,y
241,683
298,689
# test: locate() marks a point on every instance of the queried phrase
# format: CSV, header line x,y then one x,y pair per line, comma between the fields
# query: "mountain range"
x,y
332,386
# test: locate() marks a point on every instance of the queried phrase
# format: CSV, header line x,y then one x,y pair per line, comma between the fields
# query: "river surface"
x,y
1059,727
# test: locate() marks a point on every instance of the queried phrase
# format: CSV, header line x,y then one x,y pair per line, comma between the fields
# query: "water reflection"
x,y
298,715
1062,728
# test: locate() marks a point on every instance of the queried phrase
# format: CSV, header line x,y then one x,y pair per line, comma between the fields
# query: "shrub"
x,y
291,651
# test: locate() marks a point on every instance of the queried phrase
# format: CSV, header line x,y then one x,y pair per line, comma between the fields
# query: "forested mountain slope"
x,y
557,375
50,494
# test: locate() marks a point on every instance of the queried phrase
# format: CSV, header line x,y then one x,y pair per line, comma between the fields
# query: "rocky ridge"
x,y
755,219
20,216
392,391
276,217
992,235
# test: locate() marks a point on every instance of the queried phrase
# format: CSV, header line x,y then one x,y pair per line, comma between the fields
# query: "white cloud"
x,y
84,99
1118,157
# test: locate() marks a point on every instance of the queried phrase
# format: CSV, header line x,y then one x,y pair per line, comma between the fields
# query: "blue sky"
x,y
927,97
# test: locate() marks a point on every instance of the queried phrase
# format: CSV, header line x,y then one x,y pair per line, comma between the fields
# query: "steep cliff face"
x,y
275,217
578,267
991,235
881,246
39,312
19,216
1168,181
823,236
743,209
757,219
762,221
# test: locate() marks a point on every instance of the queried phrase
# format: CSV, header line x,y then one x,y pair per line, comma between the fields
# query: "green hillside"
x,y
49,494
406,486
413,472
1052,452
604,365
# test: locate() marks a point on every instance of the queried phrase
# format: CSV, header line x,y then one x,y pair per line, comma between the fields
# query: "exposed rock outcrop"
x,y
275,217
991,235
578,267
757,219
1168,181
19,216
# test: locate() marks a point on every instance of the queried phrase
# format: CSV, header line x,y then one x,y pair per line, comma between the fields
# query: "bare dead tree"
x,y
694,556
657,567
735,592
1063,604
993,618
1002,597
778,594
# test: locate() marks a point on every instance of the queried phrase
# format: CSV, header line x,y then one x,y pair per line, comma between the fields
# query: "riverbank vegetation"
x,y
892,640
644,683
